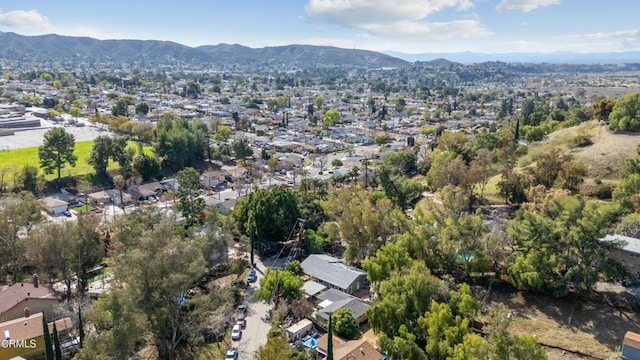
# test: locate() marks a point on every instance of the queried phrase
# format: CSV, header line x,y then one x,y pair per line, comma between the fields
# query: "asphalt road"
x,y
255,334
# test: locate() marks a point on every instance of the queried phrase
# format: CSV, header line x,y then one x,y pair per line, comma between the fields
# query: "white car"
x,y
236,332
232,354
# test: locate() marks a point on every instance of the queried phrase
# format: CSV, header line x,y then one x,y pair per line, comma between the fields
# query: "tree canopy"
x,y
57,151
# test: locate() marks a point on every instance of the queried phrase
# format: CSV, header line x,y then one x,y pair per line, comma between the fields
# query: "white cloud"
x,y
524,5
459,29
26,19
397,18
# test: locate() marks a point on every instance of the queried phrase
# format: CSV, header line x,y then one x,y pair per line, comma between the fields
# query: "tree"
x,y
17,219
331,117
624,114
119,184
241,148
294,267
602,108
56,343
156,269
142,109
75,112
276,348
223,133
558,246
336,163
277,284
366,221
330,340
399,104
191,205
267,214
48,346
344,324
101,151
57,151
179,143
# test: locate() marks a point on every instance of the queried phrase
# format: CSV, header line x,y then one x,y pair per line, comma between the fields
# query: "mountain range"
x,y
468,57
68,48
54,47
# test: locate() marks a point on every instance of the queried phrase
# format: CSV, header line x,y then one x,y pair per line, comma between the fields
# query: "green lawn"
x,y
18,158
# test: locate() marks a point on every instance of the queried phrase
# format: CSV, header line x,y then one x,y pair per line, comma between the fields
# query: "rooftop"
x,y
331,270
19,292
628,243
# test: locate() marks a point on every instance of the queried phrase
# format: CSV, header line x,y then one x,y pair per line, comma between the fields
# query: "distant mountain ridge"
x,y
468,57
59,47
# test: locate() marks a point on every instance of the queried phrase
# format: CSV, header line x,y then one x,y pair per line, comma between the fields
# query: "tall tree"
x,y
57,151
157,269
330,340
190,205
48,346
18,217
56,343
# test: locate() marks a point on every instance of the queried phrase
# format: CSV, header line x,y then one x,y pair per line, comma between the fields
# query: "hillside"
x,y
604,159
147,52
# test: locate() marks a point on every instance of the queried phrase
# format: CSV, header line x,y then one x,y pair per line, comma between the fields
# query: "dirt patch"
x,y
605,158
223,282
572,323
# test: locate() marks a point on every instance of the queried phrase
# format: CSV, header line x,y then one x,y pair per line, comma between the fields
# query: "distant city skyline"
x,y
409,26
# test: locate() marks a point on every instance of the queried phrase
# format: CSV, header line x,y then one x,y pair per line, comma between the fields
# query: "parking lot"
x,y
31,138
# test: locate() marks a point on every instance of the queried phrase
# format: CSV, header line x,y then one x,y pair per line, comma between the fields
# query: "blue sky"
x,y
410,26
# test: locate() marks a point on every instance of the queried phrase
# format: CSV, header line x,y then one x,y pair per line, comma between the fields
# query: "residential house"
x,y
628,252
22,337
35,296
332,300
360,349
631,346
147,191
333,273
109,196
54,206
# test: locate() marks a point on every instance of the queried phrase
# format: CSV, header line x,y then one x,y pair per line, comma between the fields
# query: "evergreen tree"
x,y
48,348
56,343
330,341
80,325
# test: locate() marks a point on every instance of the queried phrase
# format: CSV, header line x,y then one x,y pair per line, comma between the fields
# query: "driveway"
x,y
255,334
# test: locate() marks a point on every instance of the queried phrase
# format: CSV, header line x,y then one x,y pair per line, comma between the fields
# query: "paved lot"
x,y
255,335
31,138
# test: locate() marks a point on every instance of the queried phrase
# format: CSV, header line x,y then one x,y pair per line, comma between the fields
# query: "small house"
x,y
298,330
627,251
54,206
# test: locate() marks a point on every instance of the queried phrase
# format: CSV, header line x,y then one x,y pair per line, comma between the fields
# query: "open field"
x,y
17,158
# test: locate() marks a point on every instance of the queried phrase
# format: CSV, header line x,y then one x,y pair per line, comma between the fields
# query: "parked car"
x,y
236,332
242,308
242,323
66,213
252,276
232,354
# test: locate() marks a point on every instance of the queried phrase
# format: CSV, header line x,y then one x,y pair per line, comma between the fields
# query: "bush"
x,y
336,163
582,140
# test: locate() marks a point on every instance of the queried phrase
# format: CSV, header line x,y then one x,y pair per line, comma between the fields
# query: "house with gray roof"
x,y
333,273
626,250
332,300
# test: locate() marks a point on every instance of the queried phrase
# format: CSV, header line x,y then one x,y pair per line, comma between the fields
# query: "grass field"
x,y
16,159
